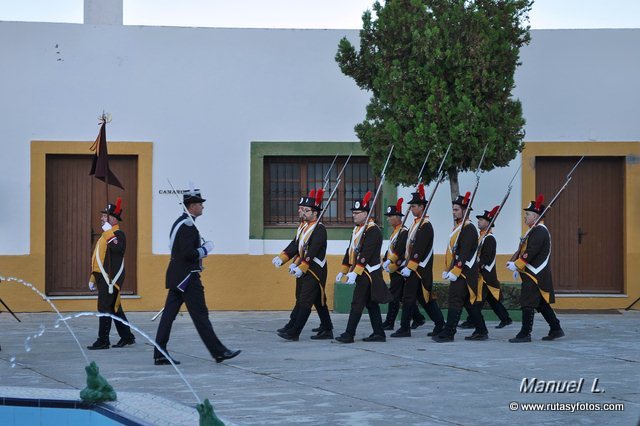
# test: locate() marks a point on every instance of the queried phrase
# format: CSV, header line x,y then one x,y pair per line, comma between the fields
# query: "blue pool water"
x,y
26,416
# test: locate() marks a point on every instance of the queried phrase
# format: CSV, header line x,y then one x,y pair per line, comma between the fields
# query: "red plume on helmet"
x,y
539,201
466,198
421,191
312,193
118,208
365,200
399,205
493,211
319,195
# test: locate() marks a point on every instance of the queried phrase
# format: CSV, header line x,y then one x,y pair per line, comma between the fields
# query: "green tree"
x,y
439,72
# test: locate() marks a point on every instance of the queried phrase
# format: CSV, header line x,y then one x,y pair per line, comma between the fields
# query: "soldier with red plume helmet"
x,y
532,264
107,276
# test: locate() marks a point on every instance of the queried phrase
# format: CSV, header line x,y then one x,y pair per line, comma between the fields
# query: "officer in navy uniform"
x,y
461,271
532,264
362,267
107,263
392,260
491,291
184,285
309,248
418,270
306,206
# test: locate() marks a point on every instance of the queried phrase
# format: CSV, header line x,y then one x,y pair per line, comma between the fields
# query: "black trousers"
x,y
107,305
193,297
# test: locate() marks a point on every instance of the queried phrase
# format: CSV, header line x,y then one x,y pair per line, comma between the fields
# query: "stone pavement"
x,y
408,381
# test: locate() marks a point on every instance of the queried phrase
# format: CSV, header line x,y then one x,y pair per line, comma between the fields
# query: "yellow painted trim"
x,y
631,208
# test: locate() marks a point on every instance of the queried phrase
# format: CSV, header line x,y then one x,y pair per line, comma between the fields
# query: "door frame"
x,y
631,211
39,151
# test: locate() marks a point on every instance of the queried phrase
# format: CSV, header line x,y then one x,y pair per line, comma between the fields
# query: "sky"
x,y
343,14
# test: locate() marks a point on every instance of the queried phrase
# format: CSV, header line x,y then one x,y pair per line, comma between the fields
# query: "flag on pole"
x,y
100,166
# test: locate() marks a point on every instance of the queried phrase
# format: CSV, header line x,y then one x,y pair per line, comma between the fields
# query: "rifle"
x,y
419,181
440,177
495,216
371,207
523,239
467,211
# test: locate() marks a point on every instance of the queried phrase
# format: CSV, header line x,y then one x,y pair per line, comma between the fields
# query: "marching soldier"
x,y
461,271
370,289
184,285
418,272
393,258
107,277
533,266
488,284
309,248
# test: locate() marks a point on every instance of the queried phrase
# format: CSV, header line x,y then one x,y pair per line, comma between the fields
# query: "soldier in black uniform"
x,y
462,272
535,272
392,260
107,277
363,259
183,282
418,271
488,284
309,248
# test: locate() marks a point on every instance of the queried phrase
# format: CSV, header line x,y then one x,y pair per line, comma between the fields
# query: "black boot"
x,y
446,335
292,319
555,331
325,319
352,325
301,319
501,312
434,312
481,332
376,323
104,327
468,323
405,321
392,313
527,325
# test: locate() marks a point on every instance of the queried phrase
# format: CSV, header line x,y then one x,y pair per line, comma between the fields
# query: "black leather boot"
x,y
434,312
376,323
292,319
301,319
392,313
446,335
352,325
481,332
104,327
524,335
501,312
468,323
405,321
555,331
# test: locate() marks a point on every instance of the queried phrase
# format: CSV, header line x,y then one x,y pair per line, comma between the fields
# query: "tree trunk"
x,y
453,183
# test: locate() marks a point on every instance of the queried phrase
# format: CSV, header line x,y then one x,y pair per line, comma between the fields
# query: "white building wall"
x,y
201,95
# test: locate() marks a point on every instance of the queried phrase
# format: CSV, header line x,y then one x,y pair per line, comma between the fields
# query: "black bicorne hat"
x,y
192,196
364,204
114,210
463,201
536,206
488,215
395,210
418,197
314,200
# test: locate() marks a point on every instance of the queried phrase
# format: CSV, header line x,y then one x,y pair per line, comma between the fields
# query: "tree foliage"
x,y
440,72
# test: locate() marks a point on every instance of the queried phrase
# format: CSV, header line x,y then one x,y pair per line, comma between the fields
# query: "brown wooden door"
x,y
586,222
74,201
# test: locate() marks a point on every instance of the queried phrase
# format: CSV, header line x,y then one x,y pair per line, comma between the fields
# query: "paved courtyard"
x,y
408,381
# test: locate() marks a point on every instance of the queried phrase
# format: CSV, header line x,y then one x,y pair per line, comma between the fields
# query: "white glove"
x,y
512,266
516,275
445,274
92,286
351,277
292,267
277,262
296,271
450,276
208,246
339,276
106,226
386,264
405,272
